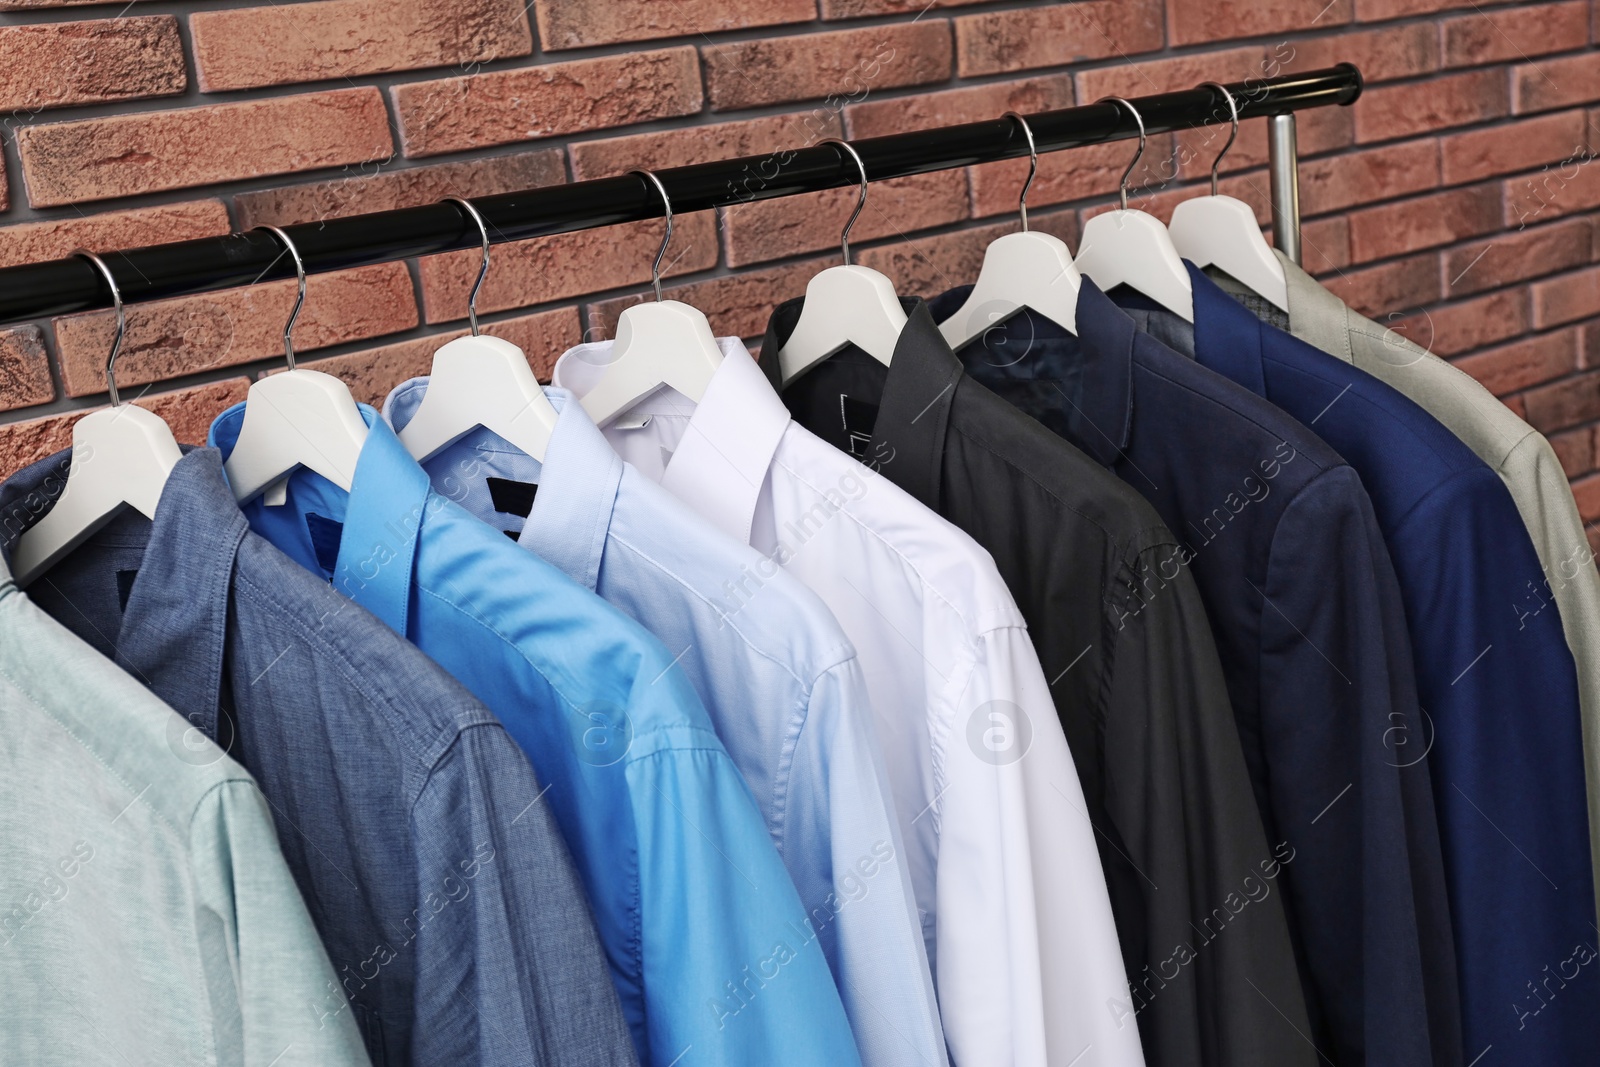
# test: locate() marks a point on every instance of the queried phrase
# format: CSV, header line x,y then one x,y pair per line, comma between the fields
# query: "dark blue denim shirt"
x,y
414,826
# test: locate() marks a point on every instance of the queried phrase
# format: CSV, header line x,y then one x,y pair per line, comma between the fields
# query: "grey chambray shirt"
x,y
413,824
146,913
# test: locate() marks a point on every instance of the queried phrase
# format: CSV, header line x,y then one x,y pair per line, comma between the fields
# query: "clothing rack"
x,y
73,284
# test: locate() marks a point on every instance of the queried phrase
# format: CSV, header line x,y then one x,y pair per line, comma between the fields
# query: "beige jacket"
x,y
1517,452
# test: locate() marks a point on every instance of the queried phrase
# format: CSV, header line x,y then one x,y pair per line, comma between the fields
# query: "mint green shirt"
x,y
146,913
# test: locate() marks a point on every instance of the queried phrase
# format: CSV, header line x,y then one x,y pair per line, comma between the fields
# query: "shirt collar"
x,y
382,514
1227,335
173,634
732,436
908,436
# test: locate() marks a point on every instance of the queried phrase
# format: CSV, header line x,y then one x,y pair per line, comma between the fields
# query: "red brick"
x,y
1575,450
951,107
851,9
566,265
63,63
1565,403
1471,324
1513,257
1502,149
502,107
1586,491
840,65
1317,132
372,373
578,23
188,334
1055,35
188,411
1555,83
369,189
1403,285
1424,222
1170,75
5,189
1073,175
1389,111
1383,55
24,368
245,48
1162,200
1379,10
1325,244
1566,298
1338,182
31,242
771,229
1516,33
703,144
1558,189
738,305
121,155
1194,21
1525,363
928,266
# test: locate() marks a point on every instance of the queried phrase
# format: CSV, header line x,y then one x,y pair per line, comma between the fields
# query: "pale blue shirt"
x,y
704,933
774,669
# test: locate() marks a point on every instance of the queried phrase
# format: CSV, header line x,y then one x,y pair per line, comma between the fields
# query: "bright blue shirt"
x,y
1499,689
777,675
703,931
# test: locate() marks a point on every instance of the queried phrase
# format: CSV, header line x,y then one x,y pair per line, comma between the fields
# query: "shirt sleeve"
x,y
1184,850
273,992
1347,795
842,844
510,967
1027,963
1501,687
730,961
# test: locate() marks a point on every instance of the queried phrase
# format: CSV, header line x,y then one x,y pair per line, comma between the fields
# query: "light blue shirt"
x,y
775,671
703,930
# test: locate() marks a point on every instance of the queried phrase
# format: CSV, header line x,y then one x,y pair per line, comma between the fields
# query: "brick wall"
x,y
1456,200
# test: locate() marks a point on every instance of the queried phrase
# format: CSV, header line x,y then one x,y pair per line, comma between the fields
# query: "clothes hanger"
x,y
121,457
844,305
301,418
1221,231
1132,247
664,343
480,381
1020,270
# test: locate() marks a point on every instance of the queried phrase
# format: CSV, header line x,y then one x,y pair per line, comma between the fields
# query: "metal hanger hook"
x,y
122,322
1233,109
1033,166
861,200
661,253
300,293
1123,185
483,265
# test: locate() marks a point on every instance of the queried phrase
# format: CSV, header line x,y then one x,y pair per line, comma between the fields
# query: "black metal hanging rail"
x,y
63,286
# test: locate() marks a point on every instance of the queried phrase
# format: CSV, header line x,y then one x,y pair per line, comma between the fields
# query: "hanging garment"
x,y
1500,691
459,930
1008,883
776,674
694,909
1122,636
146,914
1271,521
1515,451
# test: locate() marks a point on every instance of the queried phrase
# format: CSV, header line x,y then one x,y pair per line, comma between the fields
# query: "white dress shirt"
x,y
1003,861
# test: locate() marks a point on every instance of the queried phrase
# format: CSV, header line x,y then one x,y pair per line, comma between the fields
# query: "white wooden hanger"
x,y
121,457
1221,231
664,343
844,305
1020,270
480,381
1132,248
301,418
